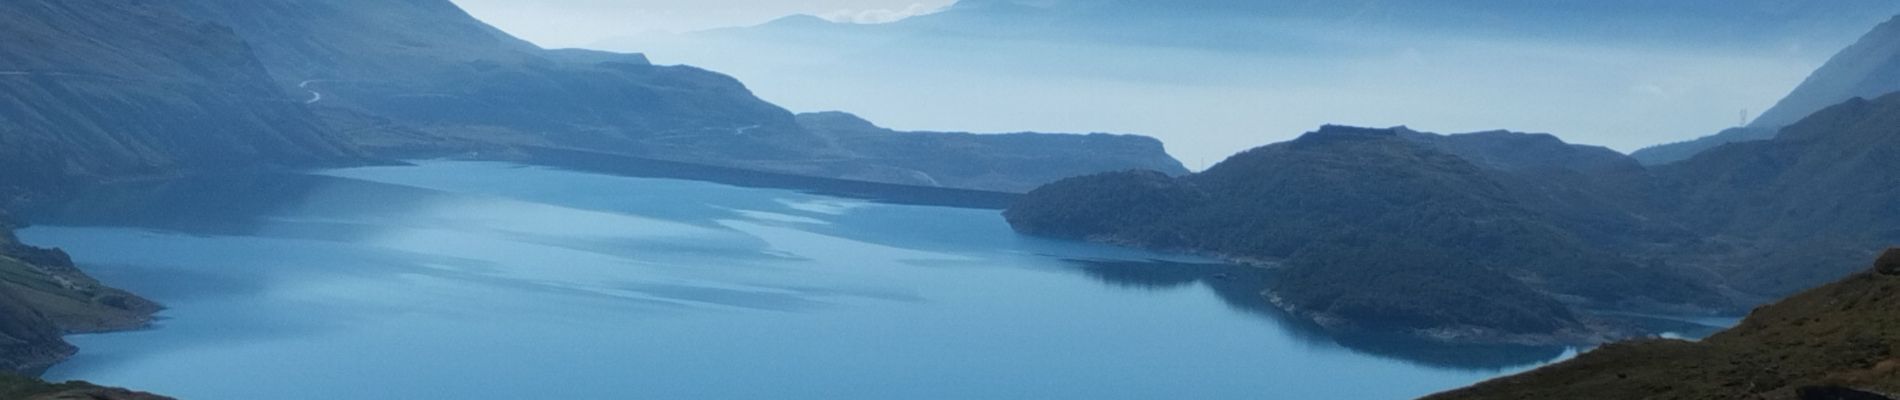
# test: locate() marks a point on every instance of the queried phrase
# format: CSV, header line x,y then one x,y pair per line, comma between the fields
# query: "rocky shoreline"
x,y
44,297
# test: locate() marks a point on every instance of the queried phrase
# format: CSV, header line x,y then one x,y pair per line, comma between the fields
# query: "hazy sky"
x,y
574,23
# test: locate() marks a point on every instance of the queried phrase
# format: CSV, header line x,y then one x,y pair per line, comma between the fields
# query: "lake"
x,y
478,280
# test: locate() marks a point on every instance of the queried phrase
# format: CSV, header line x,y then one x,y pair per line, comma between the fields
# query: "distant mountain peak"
x,y
1870,68
798,21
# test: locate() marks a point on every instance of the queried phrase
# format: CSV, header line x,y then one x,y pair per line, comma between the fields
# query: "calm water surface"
x,y
465,280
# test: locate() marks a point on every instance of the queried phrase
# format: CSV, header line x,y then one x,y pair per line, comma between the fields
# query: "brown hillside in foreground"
x,y
1841,341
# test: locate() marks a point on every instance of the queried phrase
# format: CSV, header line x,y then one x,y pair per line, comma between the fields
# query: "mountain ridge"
x,y
459,85
1478,263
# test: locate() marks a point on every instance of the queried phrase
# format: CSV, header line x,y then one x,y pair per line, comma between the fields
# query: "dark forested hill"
x,y
1838,342
1399,219
1799,210
1380,230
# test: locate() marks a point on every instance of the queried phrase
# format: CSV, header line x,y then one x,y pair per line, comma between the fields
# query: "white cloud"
x,y
880,16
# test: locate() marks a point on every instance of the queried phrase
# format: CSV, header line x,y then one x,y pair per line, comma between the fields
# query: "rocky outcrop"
x,y
1346,209
1889,263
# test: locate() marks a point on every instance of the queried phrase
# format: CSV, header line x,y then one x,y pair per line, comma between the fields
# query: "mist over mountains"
x,y
1219,76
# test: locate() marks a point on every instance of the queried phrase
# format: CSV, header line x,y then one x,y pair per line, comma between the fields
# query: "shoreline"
x,y
1605,326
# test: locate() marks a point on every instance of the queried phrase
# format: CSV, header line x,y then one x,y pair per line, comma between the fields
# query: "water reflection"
x,y
1242,287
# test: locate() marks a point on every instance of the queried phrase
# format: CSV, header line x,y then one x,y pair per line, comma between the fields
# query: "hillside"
x,y
21,388
1799,210
43,297
1870,68
1377,231
422,77
104,88
1746,221
1602,196
1840,341
1674,152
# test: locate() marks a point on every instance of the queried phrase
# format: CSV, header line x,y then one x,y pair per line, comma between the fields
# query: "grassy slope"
x,y
1844,335
43,296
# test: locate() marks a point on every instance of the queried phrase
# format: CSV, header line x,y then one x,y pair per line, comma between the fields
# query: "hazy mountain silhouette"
x,y
448,82
1868,69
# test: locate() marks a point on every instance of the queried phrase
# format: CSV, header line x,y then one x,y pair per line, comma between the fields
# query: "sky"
x,y
576,23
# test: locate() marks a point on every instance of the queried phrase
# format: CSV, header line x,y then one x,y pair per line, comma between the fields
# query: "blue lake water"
x,y
471,280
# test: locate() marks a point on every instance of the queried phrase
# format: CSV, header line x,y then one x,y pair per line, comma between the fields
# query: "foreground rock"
x,y
21,388
1838,342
